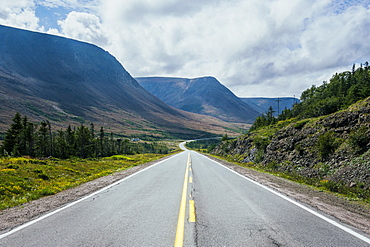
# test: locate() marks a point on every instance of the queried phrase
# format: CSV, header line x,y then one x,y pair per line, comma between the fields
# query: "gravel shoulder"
x,y
348,212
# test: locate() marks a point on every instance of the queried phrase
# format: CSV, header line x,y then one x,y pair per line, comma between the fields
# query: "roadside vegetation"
x,y
323,141
37,162
352,182
23,179
25,138
206,145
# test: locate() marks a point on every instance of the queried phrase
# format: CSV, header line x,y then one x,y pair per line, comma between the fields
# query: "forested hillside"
x,y
24,138
324,140
343,90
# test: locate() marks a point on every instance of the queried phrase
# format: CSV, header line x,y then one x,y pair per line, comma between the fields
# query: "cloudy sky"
x,y
254,47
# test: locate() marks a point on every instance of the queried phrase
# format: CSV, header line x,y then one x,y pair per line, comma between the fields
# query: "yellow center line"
x,y
181,220
191,211
190,180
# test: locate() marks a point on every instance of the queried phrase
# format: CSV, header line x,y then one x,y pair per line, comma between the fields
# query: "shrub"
x,y
259,156
327,144
43,176
298,148
359,139
300,124
261,143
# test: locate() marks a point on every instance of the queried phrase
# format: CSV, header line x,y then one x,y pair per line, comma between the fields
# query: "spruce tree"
x,y
13,136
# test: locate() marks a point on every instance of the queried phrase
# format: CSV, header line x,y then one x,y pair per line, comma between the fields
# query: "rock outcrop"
x,y
329,149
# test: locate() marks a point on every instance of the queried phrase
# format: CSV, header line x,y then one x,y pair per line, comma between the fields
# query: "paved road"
x,y
155,208
233,211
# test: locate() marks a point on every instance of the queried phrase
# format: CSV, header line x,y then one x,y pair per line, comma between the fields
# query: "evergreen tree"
x,y
26,138
70,141
29,137
101,142
84,141
61,145
42,140
13,136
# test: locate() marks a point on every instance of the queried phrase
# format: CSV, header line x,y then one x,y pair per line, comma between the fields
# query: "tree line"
x,y
24,138
342,90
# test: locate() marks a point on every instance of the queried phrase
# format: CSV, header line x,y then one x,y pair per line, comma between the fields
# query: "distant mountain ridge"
x,y
205,95
262,104
67,81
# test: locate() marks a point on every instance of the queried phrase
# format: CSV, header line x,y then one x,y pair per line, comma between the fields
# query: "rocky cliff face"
x,y
333,148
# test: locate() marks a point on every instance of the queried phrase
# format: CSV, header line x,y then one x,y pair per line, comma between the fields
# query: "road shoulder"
x,y
15,216
349,212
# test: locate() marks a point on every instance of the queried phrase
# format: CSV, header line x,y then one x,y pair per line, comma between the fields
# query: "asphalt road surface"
x,y
186,200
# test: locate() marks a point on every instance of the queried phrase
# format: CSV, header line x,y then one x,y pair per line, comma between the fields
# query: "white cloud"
x,y
282,45
339,37
20,14
84,26
70,4
270,47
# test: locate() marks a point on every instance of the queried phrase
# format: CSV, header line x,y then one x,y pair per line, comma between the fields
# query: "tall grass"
x,y
26,179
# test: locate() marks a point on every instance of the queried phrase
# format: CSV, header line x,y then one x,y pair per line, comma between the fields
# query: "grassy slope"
x,y
26,179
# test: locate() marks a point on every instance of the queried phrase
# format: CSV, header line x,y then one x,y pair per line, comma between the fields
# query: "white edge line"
x,y
344,228
16,229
